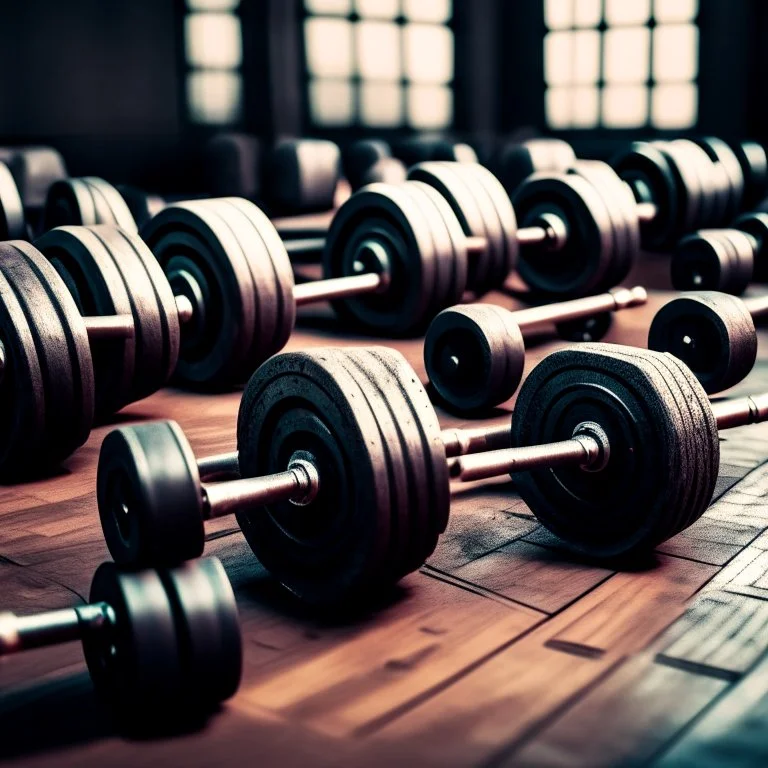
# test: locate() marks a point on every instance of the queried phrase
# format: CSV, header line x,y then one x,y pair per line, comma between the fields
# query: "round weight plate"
x,y
710,212
643,165
13,225
359,157
616,388
688,183
86,201
387,170
388,218
149,496
135,665
453,246
621,211
141,204
744,247
756,225
443,177
35,169
204,260
709,261
208,629
580,266
111,208
474,356
335,548
712,333
591,328
754,167
723,155
59,336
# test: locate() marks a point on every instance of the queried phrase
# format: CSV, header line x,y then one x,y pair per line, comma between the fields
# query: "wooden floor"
x,y
501,651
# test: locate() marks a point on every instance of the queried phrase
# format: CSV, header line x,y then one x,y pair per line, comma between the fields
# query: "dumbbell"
x,y
712,333
725,260
475,354
754,166
158,644
345,472
13,222
515,161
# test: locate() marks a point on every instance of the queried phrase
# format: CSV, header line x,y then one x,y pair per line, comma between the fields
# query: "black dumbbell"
x,y
712,333
159,645
345,472
725,260
34,169
474,354
754,166
13,223
369,161
514,162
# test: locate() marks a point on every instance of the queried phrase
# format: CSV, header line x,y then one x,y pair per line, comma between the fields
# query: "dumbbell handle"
x,y
21,633
646,211
589,445
615,299
100,327
757,306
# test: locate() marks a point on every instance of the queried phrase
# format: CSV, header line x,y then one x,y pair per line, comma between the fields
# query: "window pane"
x,y
213,40
381,104
436,11
430,106
335,7
627,56
213,5
587,13
675,10
625,106
378,50
329,47
214,97
675,52
558,55
428,53
627,11
586,56
377,9
558,107
331,102
674,106
585,105
558,14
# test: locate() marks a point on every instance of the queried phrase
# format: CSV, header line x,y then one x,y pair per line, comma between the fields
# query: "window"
x,y
621,64
213,48
379,63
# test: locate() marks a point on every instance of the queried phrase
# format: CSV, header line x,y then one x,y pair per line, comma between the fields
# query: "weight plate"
x,y
709,261
13,225
387,170
443,177
580,266
712,333
756,225
149,497
720,153
232,165
754,167
136,666
35,169
689,191
651,178
142,205
204,260
333,550
597,383
474,356
111,208
710,212
744,247
59,336
208,628
86,201
386,217
360,157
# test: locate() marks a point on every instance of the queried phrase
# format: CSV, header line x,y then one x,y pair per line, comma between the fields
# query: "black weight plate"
x,y
360,157
204,260
409,505
142,205
387,216
232,165
592,328
506,213
62,347
443,177
387,170
580,266
68,202
712,333
136,666
424,149
744,247
455,260
13,225
621,211
722,154
516,162
474,356
709,261
208,628
688,184
149,497
600,384
334,549
643,165
754,166
35,169
301,175
110,206
756,225
710,212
